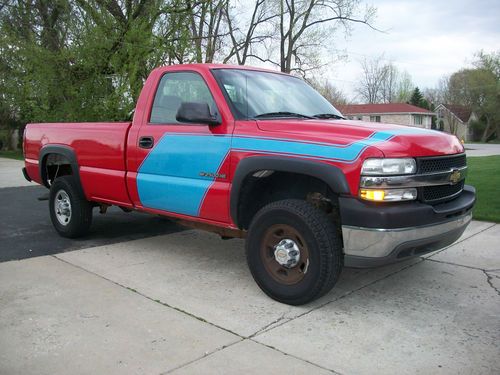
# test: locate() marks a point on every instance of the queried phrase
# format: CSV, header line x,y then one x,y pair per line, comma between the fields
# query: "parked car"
x,y
258,154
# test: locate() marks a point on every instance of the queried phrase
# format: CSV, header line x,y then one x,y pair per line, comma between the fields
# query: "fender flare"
x,y
331,175
63,150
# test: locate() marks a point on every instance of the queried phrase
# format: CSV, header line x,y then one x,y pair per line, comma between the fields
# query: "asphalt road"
x,y
482,149
26,230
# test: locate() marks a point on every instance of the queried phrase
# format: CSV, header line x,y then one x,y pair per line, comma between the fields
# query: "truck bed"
x,y
100,150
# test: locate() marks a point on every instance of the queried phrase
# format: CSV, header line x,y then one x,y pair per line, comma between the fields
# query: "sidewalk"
x,y
11,174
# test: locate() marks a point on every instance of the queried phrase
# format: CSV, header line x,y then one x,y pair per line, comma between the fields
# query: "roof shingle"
x,y
463,113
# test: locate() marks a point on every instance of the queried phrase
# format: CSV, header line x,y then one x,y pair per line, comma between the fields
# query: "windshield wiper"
x,y
328,115
282,114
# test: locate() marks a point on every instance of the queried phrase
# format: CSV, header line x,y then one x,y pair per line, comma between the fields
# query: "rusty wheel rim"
x,y
273,236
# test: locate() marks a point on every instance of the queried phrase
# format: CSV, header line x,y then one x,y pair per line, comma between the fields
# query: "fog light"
x,y
388,195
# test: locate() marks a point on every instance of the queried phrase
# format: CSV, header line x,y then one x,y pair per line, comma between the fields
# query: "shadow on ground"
x,y
26,230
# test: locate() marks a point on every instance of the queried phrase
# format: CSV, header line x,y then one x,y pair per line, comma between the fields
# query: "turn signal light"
x,y
372,195
388,195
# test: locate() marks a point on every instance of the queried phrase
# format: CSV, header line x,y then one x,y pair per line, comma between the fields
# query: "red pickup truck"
x,y
260,155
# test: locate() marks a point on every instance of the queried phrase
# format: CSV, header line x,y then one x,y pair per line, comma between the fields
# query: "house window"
x,y
418,119
374,118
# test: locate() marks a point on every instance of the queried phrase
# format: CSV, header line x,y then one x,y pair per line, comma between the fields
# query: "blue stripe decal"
x,y
169,178
347,154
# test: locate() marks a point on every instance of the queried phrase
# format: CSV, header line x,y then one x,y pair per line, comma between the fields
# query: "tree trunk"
x,y
487,131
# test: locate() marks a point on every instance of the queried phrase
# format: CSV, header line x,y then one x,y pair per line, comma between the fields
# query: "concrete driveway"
x,y
185,303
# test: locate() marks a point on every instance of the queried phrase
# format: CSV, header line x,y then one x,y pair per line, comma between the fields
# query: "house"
x,y
456,119
393,113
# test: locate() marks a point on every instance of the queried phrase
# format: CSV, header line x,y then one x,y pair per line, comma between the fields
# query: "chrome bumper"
x,y
366,247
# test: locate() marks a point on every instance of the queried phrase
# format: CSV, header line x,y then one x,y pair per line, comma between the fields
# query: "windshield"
x,y
257,94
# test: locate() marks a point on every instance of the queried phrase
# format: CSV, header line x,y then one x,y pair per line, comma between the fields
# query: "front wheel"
x,y
293,251
70,212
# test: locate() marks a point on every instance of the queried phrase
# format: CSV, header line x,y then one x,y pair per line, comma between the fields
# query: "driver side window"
x,y
174,89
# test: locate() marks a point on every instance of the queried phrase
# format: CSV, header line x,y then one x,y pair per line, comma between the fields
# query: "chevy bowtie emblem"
x,y
455,176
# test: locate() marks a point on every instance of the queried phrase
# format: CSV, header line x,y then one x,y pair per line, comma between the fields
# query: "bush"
x,y
477,127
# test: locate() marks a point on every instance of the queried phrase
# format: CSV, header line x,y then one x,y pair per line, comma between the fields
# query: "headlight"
x,y
389,166
388,195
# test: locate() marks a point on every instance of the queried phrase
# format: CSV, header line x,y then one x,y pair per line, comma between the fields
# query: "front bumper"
x,y
390,233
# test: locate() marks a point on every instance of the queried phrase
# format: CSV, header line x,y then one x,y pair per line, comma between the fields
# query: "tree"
x,y
383,83
304,27
389,83
479,89
490,62
243,41
451,121
127,32
372,80
87,60
416,97
404,87
330,92
36,55
206,23
439,94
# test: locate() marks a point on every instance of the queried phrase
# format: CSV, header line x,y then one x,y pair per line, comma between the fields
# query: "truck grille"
x,y
440,193
441,163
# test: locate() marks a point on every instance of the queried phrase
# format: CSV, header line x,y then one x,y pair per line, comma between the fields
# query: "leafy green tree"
x,y
416,97
479,89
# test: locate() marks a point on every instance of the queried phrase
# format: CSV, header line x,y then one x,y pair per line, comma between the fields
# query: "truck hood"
x,y
391,140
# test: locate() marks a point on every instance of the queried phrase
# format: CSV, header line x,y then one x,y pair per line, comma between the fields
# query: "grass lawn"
x,y
12,154
484,175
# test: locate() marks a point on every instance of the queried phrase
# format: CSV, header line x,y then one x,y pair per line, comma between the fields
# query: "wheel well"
x,y
264,187
55,165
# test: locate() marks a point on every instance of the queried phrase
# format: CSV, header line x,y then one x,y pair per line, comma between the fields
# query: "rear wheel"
x,y
293,251
70,212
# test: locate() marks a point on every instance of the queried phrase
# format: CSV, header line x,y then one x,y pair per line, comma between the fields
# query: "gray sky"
x,y
427,38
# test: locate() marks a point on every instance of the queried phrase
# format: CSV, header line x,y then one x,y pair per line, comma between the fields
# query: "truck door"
x,y
185,167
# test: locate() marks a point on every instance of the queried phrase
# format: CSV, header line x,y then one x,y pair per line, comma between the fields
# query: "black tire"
x,y
80,217
315,236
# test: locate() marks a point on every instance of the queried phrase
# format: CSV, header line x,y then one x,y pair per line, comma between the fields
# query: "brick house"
x,y
393,113
456,119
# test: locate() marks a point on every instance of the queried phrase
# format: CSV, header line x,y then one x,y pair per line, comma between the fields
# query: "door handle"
x,y
146,142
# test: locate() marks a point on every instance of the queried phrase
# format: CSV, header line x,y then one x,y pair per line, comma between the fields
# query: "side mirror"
x,y
197,113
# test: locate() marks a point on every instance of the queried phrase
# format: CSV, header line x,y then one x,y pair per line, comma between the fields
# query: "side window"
x,y
175,88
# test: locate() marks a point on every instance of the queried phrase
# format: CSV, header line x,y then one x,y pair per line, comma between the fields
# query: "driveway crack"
x,y
299,358
454,264
489,279
263,329
207,354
